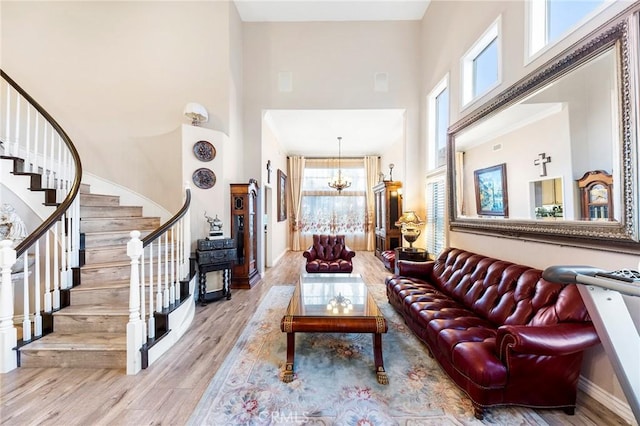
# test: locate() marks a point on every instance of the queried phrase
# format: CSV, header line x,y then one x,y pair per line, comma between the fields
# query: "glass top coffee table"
x,y
333,303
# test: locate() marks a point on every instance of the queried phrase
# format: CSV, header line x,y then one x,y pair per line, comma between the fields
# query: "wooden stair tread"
x,y
93,310
79,341
89,286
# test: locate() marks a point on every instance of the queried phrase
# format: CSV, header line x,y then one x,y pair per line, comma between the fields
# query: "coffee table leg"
x,y
381,375
291,347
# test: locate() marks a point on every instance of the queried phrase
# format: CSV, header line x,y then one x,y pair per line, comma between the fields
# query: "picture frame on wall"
x,y
282,196
491,191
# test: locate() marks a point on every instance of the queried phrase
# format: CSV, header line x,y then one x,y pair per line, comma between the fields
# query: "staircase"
x,y
91,331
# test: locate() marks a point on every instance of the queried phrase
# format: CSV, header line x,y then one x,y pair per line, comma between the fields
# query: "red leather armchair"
x,y
502,333
329,253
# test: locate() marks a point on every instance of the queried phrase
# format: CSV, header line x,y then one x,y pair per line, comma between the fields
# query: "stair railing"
x,y
40,149
161,262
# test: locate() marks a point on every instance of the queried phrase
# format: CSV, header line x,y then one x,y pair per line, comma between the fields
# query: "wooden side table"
x,y
413,254
215,255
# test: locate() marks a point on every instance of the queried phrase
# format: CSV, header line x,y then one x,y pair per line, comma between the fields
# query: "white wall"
x,y
333,66
449,29
117,75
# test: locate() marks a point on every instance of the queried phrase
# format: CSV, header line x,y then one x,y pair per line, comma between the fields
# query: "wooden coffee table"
x,y
333,303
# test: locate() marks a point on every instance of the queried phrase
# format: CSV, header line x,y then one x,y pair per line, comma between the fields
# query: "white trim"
x,y
440,87
616,405
494,32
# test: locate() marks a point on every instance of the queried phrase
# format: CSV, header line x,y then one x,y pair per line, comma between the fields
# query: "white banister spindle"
x,y
8,332
159,298
172,289
135,325
26,320
63,254
36,136
8,120
178,260
27,155
152,320
48,303
56,269
16,145
143,306
37,317
166,272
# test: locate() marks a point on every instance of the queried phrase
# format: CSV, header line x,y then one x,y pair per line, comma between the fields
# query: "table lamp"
x,y
410,225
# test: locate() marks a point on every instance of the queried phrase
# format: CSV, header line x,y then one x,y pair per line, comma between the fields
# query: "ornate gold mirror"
x,y
514,164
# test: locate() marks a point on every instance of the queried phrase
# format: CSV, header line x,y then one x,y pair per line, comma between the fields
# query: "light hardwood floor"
x,y
167,392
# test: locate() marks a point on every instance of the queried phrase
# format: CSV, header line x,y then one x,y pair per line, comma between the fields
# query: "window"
x,y
435,202
438,109
481,65
327,211
550,20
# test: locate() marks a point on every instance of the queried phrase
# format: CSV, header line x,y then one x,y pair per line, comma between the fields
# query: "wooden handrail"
x,y
75,186
165,227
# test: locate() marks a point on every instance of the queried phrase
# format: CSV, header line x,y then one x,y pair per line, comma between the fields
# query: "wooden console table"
x,y
215,255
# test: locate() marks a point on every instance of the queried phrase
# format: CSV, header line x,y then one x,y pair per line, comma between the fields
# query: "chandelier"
x,y
339,182
339,304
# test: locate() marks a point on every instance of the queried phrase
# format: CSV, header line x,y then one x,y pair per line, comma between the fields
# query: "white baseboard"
x,y
618,406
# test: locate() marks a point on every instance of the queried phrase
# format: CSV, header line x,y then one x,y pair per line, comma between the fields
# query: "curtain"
x,y
325,210
371,168
295,167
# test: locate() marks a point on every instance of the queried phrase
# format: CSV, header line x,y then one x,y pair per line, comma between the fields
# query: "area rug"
x,y
335,382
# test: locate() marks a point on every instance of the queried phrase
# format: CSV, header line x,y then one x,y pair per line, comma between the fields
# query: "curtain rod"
x,y
335,158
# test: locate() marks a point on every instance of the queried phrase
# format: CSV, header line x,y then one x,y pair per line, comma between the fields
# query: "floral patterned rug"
x,y
335,382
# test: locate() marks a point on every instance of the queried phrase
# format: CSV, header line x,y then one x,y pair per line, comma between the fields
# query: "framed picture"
x,y
282,196
491,191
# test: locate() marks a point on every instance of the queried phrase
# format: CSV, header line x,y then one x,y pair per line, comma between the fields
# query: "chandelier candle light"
x,y
339,304
410,224
339,182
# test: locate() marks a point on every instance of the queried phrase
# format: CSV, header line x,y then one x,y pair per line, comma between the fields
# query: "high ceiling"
x,y
330,10
315,132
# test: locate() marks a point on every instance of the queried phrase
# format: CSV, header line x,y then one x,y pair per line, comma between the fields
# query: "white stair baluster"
x,y
37,317
48,306
26,322
56,269
166,272
172,290
159,290
8,332
152,319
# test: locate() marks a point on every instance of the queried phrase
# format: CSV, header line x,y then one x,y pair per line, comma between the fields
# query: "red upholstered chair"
x,y
329,253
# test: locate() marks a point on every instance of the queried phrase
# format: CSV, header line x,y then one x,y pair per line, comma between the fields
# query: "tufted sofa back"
x,y
506,293
328,247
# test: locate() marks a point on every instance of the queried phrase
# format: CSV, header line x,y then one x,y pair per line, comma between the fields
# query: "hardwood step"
x,y
85,188
96,255
116,293
118,224
110,238
87,212
99,200
79,350
91,318
105,272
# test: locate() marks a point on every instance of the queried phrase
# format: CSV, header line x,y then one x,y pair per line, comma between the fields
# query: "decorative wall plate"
x,y
204,178
204,151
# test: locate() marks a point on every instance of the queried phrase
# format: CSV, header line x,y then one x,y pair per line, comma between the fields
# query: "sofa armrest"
x,y
310,254
347,253
559,339
407,268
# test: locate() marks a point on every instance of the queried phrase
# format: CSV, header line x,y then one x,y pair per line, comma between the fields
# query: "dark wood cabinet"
x,y
244,228
211,256
596,195
388,209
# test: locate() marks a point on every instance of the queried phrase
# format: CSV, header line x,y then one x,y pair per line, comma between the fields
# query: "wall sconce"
x,y
410,224
196,113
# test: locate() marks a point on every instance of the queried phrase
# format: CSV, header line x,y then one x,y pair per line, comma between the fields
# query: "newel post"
x,y
135,324
8,332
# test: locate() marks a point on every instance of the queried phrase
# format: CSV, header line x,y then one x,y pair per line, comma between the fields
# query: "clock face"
x,y
598,194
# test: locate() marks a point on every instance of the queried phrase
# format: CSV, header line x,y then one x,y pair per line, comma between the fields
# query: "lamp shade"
x,y
409,218
196,113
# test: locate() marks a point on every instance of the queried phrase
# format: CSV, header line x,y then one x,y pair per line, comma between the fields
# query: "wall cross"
x,y
542,161
269,171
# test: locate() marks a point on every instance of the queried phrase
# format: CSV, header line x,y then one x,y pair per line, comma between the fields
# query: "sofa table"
x,y
319,305
215,255
413,254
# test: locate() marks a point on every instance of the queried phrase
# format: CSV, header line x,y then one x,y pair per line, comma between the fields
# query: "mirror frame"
x,y
621,235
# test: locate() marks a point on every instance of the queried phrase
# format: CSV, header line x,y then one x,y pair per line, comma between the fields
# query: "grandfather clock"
x,y
244,227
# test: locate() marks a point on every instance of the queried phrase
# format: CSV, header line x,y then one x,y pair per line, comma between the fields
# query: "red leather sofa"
x,y
500,331
329,253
